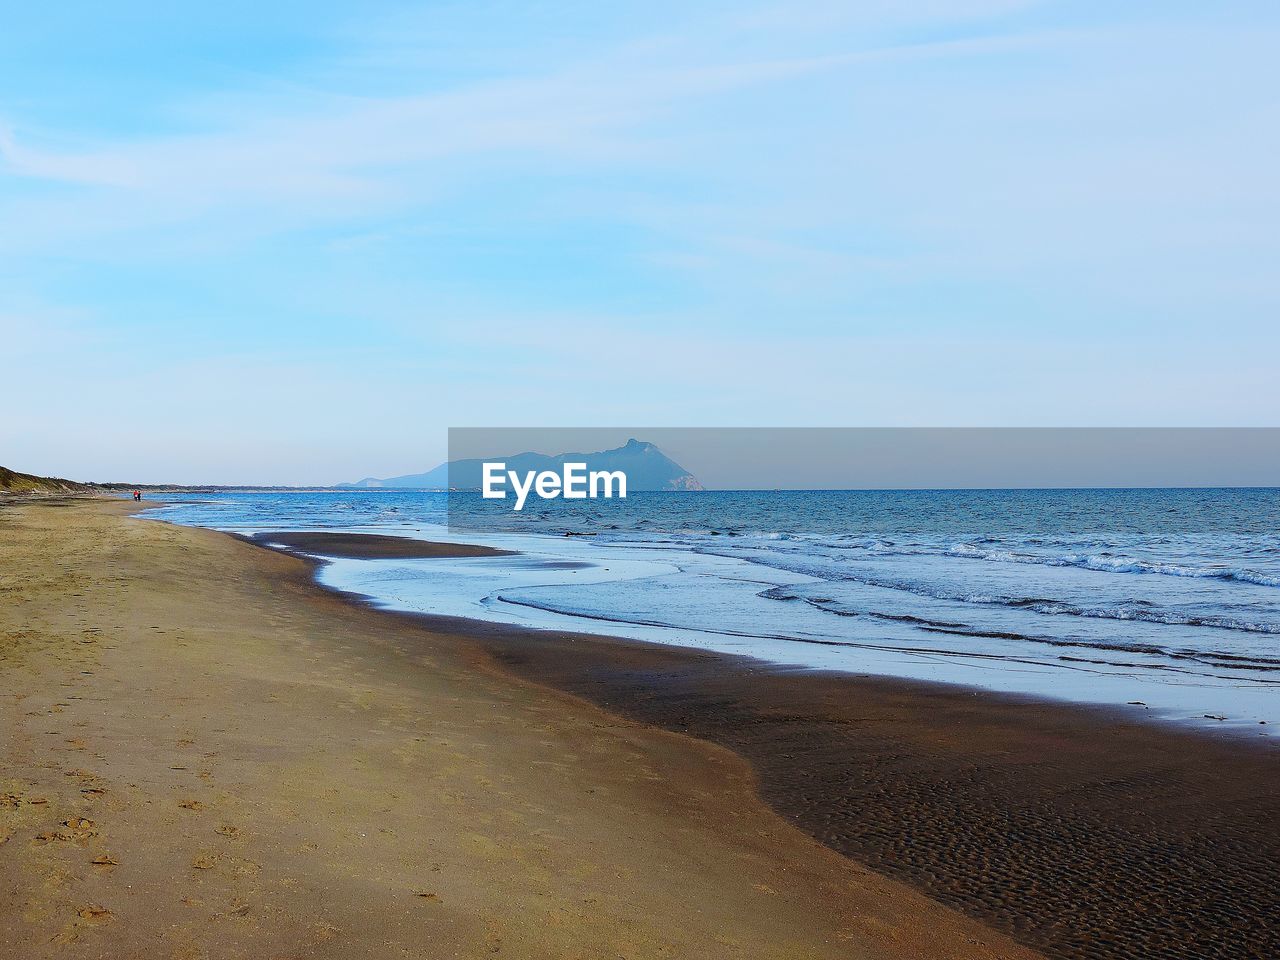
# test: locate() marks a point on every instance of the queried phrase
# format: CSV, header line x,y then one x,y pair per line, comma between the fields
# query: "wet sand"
x,y
204,754
373,546
1079,832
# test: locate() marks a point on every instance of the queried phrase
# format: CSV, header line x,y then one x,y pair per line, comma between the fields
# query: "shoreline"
x,y
1057,823
1183,670
316,547
206,753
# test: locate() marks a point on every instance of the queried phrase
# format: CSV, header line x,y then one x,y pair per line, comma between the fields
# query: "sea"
x,y
1161,603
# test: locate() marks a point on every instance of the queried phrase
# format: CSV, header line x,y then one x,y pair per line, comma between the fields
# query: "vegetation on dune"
x,y
13,483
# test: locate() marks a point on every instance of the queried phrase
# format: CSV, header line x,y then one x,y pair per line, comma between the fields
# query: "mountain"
x,y
646,467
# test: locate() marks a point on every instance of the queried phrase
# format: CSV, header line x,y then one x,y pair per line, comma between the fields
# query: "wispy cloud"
x,y
344,157
818,212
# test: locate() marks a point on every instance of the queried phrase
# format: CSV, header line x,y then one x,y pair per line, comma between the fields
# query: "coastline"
x,y
206,753
1083,831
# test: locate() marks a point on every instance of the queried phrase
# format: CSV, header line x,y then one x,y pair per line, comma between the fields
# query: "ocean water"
x,y
1166,597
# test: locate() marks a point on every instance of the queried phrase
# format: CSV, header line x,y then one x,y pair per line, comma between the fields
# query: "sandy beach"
x,y
1082,831
207,755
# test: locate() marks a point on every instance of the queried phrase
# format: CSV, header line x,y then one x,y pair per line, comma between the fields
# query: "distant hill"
x,y
14,484
646,467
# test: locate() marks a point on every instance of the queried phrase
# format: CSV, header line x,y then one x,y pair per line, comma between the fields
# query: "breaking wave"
x,y
1105,563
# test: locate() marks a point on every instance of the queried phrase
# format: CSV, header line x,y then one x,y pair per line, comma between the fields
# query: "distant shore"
x,y
205,753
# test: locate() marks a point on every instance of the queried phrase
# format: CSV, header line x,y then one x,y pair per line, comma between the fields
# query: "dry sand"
x,y
206,755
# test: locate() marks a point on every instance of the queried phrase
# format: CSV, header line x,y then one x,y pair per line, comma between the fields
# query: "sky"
x,y
295,242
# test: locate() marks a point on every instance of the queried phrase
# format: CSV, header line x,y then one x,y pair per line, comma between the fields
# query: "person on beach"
x,y
137,494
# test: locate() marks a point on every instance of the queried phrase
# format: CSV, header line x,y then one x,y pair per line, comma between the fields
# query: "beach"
x,y
633,481
1082,831
207,755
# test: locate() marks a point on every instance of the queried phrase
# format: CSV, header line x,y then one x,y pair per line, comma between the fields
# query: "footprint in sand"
x,y
95,914
17,799
51,836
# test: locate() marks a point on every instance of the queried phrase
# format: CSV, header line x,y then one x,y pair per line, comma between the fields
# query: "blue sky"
x,y
292,243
